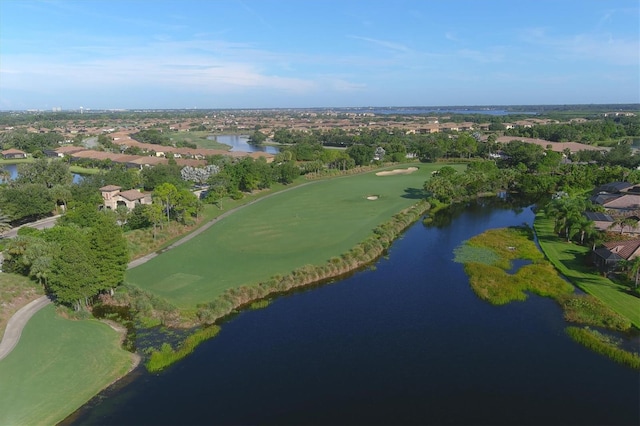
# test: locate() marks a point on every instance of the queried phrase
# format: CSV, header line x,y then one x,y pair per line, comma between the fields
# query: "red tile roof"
x,y
625,249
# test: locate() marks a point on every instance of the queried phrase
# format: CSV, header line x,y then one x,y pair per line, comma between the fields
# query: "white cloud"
x,y
587,47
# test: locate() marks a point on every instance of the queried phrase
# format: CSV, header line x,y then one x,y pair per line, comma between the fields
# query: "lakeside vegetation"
x,y
491,281
167,355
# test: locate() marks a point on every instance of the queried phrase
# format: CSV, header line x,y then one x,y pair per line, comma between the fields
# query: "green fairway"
x,y
307,225
569,260
57,366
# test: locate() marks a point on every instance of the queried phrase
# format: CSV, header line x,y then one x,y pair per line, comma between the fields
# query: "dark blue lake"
x,y
406,343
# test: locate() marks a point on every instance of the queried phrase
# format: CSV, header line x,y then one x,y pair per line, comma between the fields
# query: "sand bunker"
x,y
397,172
372,197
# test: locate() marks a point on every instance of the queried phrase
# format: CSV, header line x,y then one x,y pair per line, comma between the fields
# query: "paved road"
x,y
17,322
48,222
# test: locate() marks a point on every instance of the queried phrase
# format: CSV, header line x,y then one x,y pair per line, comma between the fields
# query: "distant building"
x,y
113,198
12,154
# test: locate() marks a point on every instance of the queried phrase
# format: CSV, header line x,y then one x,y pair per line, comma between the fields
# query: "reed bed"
x,y
602,344
167,355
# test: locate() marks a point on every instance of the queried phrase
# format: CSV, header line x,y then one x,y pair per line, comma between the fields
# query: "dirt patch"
x,y
397,172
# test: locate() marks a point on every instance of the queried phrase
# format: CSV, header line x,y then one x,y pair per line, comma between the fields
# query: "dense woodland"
x,y
86,254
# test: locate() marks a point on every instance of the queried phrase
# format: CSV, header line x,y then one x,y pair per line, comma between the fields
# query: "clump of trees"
x,y
36,191
84,255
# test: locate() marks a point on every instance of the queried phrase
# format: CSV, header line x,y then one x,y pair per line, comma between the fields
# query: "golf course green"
x,y
307,225
58,365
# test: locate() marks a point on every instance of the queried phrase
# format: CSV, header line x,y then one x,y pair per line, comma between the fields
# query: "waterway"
x,y
13,172
241,143
406,342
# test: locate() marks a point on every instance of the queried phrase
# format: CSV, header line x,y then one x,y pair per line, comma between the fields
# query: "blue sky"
x,y
316,53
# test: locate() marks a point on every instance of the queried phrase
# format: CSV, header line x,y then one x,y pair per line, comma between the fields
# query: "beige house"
x,y
13,153
112,197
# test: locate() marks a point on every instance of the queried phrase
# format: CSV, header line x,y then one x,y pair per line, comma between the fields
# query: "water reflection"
x,y
13,173
241,143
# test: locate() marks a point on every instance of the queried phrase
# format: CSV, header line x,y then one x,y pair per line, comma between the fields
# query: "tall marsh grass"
x,y
488,256
167,355
602,344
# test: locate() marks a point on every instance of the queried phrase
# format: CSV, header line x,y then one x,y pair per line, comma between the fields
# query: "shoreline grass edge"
x,y
232,300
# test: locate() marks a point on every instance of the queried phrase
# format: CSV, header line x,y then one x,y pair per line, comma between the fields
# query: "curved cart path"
x,y
18,321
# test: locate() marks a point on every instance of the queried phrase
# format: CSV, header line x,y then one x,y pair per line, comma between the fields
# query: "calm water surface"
x,y
13,172
406,343
241,143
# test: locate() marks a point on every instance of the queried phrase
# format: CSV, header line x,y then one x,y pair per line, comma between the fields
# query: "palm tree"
x,y
623,222
585,227
633,269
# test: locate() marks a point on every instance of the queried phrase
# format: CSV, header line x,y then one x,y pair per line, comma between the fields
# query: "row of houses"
x,y
620,200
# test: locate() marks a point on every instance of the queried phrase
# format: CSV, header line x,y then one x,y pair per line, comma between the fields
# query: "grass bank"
x,y
571,260
58,365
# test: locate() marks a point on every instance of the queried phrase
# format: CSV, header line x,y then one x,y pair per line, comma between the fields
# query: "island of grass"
x,y
58,365
488,258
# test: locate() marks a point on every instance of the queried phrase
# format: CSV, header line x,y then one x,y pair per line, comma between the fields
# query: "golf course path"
x,y
17,322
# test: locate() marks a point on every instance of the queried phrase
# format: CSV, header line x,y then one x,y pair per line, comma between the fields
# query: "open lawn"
x,y
307,225
570,260
56,367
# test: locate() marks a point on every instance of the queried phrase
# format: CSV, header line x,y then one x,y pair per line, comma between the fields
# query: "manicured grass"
x,y
571,261
84,170
4,162
56,367
307,225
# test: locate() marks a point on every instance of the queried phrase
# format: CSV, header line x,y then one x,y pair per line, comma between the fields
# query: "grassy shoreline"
x,y
487,258
570,260
251,296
